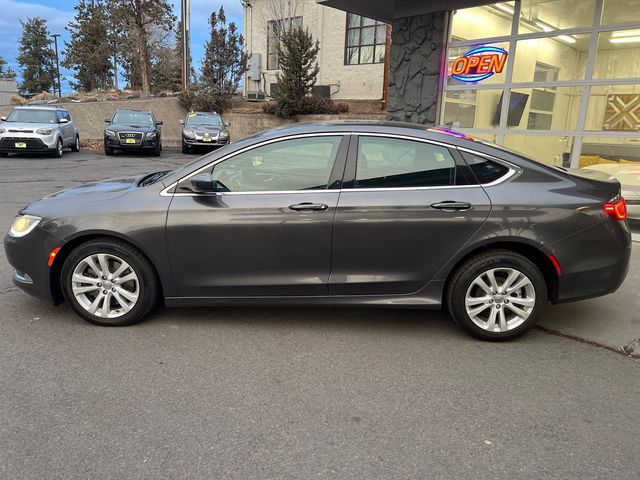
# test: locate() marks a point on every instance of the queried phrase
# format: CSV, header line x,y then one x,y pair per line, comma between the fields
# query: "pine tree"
x,y
5,71
36,57
297,55
88,52
224,62
145,22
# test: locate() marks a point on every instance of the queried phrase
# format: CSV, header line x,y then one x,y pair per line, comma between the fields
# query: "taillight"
x,y
616,209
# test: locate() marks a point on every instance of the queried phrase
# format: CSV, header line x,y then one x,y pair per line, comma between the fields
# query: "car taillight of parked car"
x,y
616,209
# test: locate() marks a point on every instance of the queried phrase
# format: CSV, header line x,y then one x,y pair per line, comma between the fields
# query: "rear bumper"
x,y
594,262
28,256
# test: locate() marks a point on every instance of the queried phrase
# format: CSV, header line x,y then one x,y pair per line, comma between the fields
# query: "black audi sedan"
x,y
337,214
133,130
202,130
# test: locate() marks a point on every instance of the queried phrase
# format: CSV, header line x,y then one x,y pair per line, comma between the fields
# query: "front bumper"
x,y
40,143
28,256
116,144
200,142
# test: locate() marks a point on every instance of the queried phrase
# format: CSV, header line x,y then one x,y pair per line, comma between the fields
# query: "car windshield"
x,y
204,119
133,118
32,116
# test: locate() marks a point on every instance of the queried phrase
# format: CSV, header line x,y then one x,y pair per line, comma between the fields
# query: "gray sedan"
x,y
359,214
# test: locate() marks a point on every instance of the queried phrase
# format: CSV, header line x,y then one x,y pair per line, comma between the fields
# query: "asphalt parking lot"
x,y
304,393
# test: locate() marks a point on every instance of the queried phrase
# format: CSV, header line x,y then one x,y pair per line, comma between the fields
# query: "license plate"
x,y
21,145
206,139
130,140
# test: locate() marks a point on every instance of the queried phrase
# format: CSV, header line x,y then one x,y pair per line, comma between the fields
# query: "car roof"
x,y
39,107
133,110
429,132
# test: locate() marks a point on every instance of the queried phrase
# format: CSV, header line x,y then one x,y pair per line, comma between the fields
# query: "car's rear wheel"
x,y
496,295
59,150
76,145
109,283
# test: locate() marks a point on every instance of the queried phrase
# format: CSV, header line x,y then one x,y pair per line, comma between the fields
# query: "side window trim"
x,y
173,189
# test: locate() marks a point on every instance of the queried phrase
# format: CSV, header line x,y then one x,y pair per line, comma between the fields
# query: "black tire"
x,y
157,151
148,283
186,148
59,150
466,274
76,145
4,154
108,151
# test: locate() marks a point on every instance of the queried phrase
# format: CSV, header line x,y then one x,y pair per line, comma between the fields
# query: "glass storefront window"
x,y
603,151
566,55
549,15
471,108
618,54
550,150
614,108
482,22
547,108
618,11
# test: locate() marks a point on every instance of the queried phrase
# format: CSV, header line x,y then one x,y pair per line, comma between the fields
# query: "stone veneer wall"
x,y
414,81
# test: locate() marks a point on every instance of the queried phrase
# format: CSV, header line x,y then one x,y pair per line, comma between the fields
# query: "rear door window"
x,y
385,162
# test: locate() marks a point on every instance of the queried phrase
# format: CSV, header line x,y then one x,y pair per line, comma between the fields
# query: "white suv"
x,y
38,129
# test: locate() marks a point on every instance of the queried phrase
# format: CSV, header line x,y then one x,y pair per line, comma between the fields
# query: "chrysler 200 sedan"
x,y
359,213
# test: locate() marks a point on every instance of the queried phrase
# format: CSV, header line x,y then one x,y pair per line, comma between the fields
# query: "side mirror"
x,y
227,124
63,120
202,183
181,121
107,120
159,122
4,119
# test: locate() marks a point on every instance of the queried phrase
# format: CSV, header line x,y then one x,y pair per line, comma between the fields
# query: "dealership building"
x,y
555,79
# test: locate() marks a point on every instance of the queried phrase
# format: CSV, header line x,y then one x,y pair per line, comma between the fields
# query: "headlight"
x,y
151,135
189,134
44,131
23,225
224,134
110,133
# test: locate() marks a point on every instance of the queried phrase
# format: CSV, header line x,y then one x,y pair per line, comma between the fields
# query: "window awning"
x,y
388,10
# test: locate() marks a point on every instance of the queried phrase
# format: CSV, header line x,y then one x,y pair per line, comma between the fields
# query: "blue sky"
x,y
59,12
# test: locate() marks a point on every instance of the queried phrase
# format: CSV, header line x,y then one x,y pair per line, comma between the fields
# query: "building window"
x,y
274,30
365,40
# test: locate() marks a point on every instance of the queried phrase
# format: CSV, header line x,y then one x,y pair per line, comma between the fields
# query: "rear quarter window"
x,y
484,170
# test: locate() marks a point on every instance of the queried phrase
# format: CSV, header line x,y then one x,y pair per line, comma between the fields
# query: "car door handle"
x,y
450,206
301,207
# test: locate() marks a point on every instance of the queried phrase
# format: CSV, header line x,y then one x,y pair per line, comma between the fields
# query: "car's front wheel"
x,y
109,283
497,295
76,144
59,150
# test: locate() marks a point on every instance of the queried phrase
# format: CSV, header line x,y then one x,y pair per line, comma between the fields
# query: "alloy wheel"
x,y
105,285
500,300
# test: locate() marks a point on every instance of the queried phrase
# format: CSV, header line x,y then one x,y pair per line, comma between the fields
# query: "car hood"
x,y
26,126
122,127
100,190
204,128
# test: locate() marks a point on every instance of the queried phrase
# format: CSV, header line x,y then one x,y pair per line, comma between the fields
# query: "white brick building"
x,y
352,48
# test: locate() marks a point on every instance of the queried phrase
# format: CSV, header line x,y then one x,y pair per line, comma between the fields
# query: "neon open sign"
x,y
479,64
